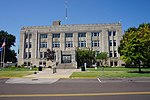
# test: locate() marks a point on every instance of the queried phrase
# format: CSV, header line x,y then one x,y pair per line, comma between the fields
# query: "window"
x,y
25,63
56,44
110,54
114,42
82,43
69,35
111,63
95,43
69,44
43,45
40,63
29,54
26,45
95,34
29,63
56,35
25,55
115,63
41,54
81,34
114,33
45,54
109,33
43,35
115,54
110,42
30,36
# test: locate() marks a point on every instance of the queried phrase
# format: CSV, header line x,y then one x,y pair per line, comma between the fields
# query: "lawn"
x,y
112,73
13,72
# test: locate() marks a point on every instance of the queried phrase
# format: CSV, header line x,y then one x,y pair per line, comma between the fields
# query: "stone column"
x,y
22,47
50,46
75,40
88,40
62,41
105,40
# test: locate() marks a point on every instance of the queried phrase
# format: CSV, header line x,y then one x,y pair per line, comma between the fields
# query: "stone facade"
x,y
64,39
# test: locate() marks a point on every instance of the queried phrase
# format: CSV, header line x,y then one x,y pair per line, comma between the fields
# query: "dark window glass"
x,y
95,34
115,63
43,45
82,44
95,43
69,35
56,44
69,44
111,63
110,54
43,35
115,54
41,54
109,33
29,54
114,42
81,34
56,35
110,42
114,33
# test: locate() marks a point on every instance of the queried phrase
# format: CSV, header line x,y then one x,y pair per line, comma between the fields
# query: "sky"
x,y
15,14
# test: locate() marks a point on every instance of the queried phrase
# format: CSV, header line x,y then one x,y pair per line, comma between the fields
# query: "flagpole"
x,y
4,58
1,58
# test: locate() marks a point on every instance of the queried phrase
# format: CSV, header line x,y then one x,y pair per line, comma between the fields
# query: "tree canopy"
x,y
10,55
135,45
102,57
85,56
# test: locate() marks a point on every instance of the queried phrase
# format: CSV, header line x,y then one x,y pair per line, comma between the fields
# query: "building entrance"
x,y
66,59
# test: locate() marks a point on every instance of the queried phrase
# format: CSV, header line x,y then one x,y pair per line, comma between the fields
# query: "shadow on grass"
x,y
142,72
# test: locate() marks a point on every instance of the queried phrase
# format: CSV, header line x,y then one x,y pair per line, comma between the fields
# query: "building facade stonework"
x,y
65,39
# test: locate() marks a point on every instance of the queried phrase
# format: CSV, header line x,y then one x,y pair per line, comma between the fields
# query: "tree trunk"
x,y
139,66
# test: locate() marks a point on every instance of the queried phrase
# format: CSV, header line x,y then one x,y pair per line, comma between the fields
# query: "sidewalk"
x,y
48,73
43,77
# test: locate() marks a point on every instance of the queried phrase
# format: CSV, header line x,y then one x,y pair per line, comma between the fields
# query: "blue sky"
x,y
15,14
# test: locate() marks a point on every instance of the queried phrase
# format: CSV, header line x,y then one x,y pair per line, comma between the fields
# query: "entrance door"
x,y
66,59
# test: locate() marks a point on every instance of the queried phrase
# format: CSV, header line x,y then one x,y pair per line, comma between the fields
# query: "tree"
x,y
135,45
10,55
50,55
102,58
85,56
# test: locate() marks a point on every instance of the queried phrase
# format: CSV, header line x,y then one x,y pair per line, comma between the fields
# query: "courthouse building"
x,y
65,39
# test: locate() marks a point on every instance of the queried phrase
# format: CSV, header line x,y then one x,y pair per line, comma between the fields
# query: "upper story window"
x,y
28,45
29,54
41,54
95,34
109,33
82,44
43,45
114,33
110,42
43,35
68,35
81,34
56,35
56,44
69,44
110,54
95,43
114,42
25,55
115,54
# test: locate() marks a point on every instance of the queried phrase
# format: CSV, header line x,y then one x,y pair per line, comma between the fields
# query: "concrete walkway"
x,y
43,77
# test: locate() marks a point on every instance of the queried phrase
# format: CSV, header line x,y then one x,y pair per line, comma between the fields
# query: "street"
x,y
73,89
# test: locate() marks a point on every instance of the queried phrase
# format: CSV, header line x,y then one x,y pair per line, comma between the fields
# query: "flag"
x,y
3,45
1,49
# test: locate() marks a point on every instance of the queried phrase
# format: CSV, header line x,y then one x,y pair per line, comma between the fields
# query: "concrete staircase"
x,y
66,66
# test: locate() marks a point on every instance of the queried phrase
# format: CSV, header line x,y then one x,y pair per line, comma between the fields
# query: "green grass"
x,y
14,74
112,73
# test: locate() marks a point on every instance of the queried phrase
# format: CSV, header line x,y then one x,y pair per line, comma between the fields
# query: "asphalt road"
x,y
73,89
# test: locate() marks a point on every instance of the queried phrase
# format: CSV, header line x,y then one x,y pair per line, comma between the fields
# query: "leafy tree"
x,y
85,56
10,55
102,58
135,46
